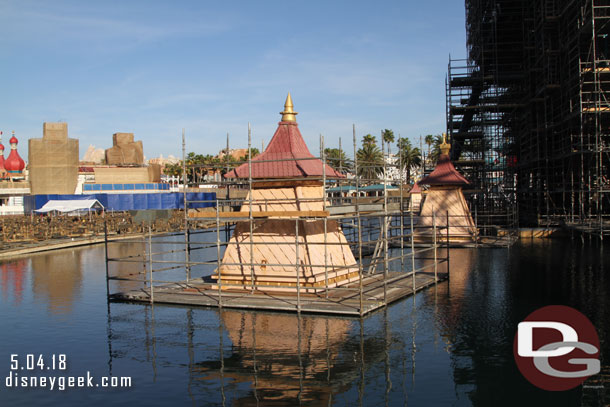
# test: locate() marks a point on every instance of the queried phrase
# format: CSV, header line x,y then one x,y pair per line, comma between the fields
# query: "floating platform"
x,y
344,300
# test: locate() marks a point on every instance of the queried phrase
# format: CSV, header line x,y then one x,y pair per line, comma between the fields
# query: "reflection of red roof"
x,y
444,174
85,169
416,189
286,144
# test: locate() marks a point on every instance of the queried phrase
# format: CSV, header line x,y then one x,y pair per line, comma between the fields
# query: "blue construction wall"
x,y
127,202
106,188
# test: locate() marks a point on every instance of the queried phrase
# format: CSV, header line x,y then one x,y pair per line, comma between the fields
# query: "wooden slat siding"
x,y
288,199
306,193
279,231
281,199
268,214
284,254
315,249
271,253
273,231
257,204
441,201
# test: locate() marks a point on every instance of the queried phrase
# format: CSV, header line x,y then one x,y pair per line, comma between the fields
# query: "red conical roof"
x,y
14,163
287,144
444,174
416,189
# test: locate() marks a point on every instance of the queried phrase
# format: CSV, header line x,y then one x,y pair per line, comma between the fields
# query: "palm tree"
x,y
388,137
409,156
436,149
173,170
370,161
429,140
368,139
338,160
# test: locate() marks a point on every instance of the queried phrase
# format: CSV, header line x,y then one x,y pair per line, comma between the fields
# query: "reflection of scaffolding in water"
x,y
381,225
239,357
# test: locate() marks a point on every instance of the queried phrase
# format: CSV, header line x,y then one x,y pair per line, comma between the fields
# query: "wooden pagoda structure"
x,y
287,240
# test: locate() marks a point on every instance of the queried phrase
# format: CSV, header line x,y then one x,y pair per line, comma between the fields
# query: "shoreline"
x,y
66,243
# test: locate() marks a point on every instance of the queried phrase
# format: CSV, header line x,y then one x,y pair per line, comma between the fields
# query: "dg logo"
x,y
556,348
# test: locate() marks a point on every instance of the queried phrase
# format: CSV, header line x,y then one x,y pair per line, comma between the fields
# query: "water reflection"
x,y
126,269
399,355
12,276
57,279
449,345
285,357
260,358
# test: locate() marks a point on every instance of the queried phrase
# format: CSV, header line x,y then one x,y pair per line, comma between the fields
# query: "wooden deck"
x,y
340,301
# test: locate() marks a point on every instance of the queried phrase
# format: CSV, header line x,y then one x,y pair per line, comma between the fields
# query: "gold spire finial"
x,y
288,115
445,147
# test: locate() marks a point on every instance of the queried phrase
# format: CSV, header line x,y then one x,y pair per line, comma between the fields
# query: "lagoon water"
x,y
448,345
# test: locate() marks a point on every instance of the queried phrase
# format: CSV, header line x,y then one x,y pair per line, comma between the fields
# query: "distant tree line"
x,y
199,165
370,157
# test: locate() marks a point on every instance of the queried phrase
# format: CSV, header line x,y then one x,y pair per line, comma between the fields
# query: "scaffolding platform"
x,y
344,300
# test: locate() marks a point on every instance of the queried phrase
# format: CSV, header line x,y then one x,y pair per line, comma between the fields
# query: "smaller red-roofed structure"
x,y
415,198
14,164
444,174
444,204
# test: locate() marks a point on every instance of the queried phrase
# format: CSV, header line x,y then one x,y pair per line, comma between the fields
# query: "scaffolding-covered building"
x,y
528,111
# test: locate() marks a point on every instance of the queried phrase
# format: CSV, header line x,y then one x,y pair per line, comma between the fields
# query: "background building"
x,y
53,161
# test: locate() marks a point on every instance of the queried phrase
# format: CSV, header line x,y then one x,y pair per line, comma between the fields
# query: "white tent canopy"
x,y
74,205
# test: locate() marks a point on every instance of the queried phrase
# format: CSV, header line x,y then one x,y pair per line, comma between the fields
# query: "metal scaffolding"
x,y
393,258
533,97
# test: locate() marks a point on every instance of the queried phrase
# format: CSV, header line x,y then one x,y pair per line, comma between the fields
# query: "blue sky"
x,y
152,68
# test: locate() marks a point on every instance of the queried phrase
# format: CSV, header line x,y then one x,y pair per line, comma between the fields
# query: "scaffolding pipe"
x,y
106,258
150,264
250,218
218,255
360,286
435,254
186,210
385,223
322,149
448,270
296,238
413,249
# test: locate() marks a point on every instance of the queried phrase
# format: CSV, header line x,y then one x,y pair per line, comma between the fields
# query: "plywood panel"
x,y
275,241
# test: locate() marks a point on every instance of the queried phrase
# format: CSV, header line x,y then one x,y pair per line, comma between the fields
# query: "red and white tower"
x,y
14,164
